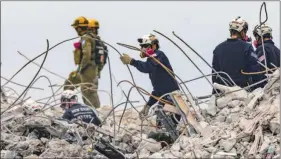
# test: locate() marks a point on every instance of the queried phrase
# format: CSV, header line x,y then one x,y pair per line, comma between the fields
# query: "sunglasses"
x,y
145,45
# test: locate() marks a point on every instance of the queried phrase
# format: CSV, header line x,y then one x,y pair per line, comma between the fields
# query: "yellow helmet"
x,y
80,22
93,23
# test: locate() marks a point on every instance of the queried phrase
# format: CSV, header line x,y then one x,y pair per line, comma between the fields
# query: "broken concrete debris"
x,y
237,125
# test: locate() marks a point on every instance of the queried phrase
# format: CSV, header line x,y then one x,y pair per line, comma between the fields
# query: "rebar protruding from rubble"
x,y
31,80
114,109
111,97
215,72
55,73
261,23
10,89
21,84
38,57
187,57
146,92
234,84
126,103
49,83
156,98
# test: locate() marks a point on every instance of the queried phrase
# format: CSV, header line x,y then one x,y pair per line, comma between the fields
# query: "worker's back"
x,y
83,112
232,56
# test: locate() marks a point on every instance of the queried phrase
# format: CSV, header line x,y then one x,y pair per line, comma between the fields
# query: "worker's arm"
x,y
145,67
87,45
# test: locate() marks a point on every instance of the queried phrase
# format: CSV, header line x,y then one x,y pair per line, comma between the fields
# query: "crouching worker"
x,y
75,110
161,80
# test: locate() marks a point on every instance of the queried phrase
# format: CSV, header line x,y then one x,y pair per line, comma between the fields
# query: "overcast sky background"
x,y
25,26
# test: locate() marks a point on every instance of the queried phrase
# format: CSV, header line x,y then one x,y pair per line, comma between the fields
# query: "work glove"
x,y
126,59
144,111
74,74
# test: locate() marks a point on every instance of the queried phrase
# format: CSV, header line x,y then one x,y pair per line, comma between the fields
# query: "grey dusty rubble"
x,y
238,125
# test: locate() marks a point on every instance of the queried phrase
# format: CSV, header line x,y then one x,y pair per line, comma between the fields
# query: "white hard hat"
x,y
67,94
32,106
148,39
238,24
263,30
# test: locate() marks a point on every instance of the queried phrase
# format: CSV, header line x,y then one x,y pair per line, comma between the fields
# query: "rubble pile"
x,y
237,125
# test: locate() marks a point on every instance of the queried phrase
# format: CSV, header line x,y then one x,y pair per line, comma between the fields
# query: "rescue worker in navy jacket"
x,y
236,55
75,110
161,80
272,53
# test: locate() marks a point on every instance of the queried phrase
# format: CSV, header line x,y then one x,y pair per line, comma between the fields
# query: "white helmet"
x,y
148,39
238,24
263,30
67,94
32,106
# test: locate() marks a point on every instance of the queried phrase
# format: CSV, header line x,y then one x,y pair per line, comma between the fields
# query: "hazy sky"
x,y
25,26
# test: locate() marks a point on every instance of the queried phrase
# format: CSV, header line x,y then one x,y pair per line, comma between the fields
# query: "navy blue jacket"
x,y
272,54
161,80
232,56
83,112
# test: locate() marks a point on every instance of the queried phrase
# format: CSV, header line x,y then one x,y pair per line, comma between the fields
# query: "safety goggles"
x,y
145,45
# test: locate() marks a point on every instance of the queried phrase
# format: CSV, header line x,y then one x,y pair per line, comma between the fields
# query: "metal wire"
x,y
31,80
37,57
234,84
261,23
199,57
11,89
111,99
187,57
21,84
57,74
37,80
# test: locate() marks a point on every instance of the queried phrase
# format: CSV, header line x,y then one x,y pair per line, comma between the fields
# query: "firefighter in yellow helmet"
x,y
101,55
84,57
